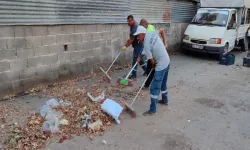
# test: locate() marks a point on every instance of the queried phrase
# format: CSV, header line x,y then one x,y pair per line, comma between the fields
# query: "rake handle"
x,y
113,62
141,87
131,70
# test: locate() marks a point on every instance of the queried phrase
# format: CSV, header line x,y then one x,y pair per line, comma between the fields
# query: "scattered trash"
x,y
18,137
44,110
96,125
65,103
14,122
52,122
2,126
86,120
98,98
62,139
64,122
52,103
112,108
189,121
104,142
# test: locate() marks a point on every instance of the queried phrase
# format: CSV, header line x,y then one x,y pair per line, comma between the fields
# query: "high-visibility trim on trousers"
x,y
154,96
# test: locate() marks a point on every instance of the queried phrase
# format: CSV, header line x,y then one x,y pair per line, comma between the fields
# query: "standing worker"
x,y
157,55
138,46
248,38
161,32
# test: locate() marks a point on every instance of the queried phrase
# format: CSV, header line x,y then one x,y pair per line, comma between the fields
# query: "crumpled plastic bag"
x,y
112,108
45,109
52,121
52,103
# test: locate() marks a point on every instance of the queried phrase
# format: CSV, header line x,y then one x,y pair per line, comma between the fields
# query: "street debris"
x,y
98,98
69,111
113,109
104,142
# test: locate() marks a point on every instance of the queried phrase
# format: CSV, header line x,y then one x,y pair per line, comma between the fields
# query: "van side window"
x,y
232,21
248,17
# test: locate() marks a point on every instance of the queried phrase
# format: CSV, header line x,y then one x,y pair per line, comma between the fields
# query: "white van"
x,y
218,26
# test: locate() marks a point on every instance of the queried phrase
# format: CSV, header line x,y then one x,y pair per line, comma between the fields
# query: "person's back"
x,y
157,48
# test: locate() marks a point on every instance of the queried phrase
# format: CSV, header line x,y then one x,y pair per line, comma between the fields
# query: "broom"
x,y
129,107
126,81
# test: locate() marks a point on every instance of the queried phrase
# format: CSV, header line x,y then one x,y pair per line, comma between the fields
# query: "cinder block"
x,y
71,47
42,70
44,50
68,29
17,86
101,27
91,28
33,42
97,51
63,57
18,64
97,43
7,54
67,68
79,46
80,28
3,44
96,36
55,67
9,76
50,59
25,53
35,61
19,31
6,31
28,83
54,30
28,31
5,88
75,56
4,66
56,49
108,27
88,45
39,30
87,53
77,38
81,64
87,37
27,73
16,43
63,39
51,77
106,35
49,40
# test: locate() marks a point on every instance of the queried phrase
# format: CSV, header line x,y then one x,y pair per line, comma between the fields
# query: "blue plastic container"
x,y
227,59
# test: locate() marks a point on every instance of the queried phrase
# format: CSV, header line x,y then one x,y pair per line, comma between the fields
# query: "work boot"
x,y
149,113
132,77
162,102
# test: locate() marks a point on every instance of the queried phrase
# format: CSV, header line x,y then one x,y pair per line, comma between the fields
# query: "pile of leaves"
x,y
30,135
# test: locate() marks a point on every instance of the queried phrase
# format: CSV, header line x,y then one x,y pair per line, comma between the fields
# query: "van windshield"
x,y
211,17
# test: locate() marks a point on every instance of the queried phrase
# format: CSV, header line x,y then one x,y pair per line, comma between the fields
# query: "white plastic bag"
x,y
113,109
52,121
98,98
52,103
45,109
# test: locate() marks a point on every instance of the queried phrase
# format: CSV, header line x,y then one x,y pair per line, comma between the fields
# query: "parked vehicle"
x,y
218,26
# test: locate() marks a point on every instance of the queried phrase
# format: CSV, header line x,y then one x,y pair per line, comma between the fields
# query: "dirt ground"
x,y
209,108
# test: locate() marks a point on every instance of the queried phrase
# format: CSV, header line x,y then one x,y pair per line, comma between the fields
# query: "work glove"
x,y
124,48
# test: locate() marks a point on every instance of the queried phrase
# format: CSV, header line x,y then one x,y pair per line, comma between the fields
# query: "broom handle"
x,y
131,70
114,61
141,87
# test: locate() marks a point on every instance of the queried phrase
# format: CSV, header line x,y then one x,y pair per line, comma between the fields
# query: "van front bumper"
x,y
205,49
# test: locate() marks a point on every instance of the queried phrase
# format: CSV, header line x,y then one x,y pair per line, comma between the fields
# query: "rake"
x,y
106,72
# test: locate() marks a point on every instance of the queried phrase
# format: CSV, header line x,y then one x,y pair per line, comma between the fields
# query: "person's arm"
x,y
129,41
164,37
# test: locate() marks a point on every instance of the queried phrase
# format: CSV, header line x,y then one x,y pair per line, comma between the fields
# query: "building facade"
x,y
43,40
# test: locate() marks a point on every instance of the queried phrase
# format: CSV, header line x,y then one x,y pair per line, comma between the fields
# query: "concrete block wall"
x,y
30,55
